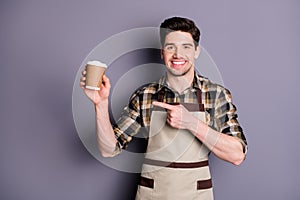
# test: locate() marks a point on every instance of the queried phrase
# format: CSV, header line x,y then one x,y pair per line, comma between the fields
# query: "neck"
x,y
180,83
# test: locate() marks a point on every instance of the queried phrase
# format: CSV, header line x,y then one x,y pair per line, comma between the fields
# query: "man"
x,y
187,117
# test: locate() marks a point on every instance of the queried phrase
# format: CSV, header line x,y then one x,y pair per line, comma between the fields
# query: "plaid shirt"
x,y
220,113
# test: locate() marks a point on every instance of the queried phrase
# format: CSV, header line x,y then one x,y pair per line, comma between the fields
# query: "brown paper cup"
x,y
94,73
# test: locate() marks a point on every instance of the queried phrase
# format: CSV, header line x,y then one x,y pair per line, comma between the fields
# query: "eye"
x,y
169,47
186,46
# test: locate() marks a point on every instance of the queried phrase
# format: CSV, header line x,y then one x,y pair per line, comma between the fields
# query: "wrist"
x,y
101,106
201,130
193,124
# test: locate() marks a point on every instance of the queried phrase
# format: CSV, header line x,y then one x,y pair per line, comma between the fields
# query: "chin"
x,y
179,72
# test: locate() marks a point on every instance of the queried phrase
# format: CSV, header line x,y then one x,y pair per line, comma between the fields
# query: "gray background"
x,y
255,44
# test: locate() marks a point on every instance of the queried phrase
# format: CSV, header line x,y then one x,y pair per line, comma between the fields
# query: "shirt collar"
x,y
197,82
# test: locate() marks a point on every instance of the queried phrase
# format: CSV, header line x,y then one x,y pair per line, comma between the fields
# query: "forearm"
x,y
225,147
105,134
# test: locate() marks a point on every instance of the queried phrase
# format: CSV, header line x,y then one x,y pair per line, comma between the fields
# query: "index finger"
x,y
106,81
163,105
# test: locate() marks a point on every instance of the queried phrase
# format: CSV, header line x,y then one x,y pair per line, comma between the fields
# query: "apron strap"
x,y
161,95
199,97
176,164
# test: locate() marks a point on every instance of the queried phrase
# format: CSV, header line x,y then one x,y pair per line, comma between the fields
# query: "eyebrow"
x,y
189,44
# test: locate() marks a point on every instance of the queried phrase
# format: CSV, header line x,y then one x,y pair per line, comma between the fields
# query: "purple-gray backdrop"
x,y
255,44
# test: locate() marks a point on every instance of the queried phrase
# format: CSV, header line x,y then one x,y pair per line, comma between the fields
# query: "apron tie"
x,y
176,164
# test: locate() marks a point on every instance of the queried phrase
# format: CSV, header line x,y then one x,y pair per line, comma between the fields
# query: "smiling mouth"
x,y
177,64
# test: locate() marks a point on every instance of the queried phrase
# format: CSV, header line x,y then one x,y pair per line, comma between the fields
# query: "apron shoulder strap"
x,y
199,97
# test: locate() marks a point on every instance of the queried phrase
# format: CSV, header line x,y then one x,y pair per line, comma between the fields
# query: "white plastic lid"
x,y
97,63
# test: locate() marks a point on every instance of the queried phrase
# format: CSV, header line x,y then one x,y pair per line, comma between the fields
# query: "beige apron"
x,y
176,163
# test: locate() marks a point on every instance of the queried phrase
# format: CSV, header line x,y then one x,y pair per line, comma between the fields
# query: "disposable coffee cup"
x,y
94,73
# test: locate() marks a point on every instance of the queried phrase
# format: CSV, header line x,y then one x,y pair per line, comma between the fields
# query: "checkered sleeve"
x,y
226,117
128,124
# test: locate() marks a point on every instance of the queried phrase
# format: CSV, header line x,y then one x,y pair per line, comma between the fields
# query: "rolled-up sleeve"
x,y
226,117
128,124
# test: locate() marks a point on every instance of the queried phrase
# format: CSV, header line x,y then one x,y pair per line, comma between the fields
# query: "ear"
x,y
197,53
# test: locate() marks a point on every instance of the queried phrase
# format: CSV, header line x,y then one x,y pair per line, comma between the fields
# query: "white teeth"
x,y
178,62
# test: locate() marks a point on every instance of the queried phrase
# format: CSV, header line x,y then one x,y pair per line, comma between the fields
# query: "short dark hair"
x,y
179,24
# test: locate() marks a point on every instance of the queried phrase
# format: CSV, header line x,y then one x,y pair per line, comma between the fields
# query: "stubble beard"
x,y
174,72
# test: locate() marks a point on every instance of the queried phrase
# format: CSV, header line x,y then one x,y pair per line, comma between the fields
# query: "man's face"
x,y
179,53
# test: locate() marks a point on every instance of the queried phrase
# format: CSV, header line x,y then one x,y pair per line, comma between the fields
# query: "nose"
x,y
177,53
